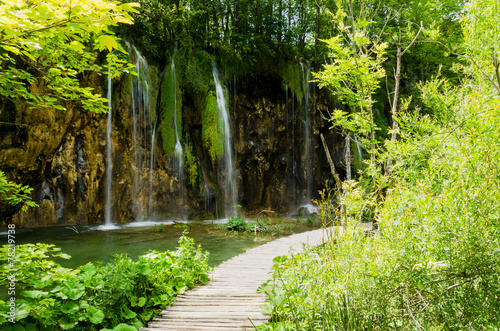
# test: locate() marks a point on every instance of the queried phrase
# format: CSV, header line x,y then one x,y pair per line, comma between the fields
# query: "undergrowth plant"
x,y
120,295
265,226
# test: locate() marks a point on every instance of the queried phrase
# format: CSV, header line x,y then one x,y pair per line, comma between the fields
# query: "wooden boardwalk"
x,y
230,299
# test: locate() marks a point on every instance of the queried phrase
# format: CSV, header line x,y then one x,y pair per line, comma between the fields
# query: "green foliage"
x,y
293,78
159,228
14,194
267,226
238,222
50,44
310,220
197,77
198,82
121,295
212,128
481,33
355,70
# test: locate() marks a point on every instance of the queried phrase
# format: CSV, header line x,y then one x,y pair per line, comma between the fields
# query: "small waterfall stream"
x,y
306,73
206,188
229,184
359,163
360,151
151,169
294,162
178,152
109,162
143,139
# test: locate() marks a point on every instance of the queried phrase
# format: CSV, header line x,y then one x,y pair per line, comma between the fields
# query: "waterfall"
x,y
206,188
359,165
151,168
109,161
178,155
294,163
290,143
306,73
360,151
142,138
178,152
286,109
229,185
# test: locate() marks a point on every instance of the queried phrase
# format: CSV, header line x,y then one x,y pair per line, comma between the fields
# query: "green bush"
x,y
95,297
237,223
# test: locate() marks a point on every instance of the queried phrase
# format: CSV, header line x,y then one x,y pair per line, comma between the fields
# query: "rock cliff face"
x,y
277,170
278,157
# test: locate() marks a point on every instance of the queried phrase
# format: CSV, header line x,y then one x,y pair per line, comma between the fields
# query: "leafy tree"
x,y
50,43
355,69
397,78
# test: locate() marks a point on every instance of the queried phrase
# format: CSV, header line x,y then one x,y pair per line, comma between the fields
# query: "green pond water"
x,y
97,243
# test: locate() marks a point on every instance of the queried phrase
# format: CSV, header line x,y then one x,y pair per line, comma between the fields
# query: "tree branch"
x,y
414,39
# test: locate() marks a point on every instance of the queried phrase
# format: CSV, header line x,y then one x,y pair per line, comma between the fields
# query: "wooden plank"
x,y
230,298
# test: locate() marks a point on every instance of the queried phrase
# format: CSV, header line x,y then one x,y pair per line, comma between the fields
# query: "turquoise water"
x,y
98,243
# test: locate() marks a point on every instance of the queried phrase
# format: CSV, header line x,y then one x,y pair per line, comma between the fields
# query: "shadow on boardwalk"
x,y
230,300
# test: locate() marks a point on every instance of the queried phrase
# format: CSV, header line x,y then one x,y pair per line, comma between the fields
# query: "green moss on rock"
x,y
212,128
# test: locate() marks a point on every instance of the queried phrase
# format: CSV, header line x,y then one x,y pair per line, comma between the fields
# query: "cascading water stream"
x,y
286,109
294,163
360,152
144,131
206,188
306,72
290,138
178,155
109,162
229,184
151,169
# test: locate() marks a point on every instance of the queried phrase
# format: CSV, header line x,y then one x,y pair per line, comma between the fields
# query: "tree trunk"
x,y
336,177
397,77
394,107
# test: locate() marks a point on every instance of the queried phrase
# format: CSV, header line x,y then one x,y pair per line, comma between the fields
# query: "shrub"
x,y
93,297
237,223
